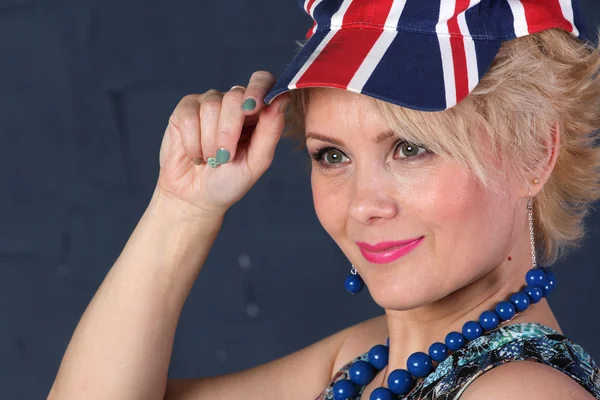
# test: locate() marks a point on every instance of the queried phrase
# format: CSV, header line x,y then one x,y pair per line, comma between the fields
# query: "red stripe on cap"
x,y
309,5
341,58
459,57
368,14
545,15
344,54
311,31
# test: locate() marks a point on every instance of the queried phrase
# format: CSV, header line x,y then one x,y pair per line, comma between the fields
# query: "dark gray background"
x,y
86,88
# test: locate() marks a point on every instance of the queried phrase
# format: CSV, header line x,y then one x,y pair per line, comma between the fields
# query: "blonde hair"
x,y
534,82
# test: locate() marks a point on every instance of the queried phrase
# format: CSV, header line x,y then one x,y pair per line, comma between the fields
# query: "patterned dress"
x,y
519,342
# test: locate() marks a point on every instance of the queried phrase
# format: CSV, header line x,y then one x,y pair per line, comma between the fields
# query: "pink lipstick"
x,y
386,252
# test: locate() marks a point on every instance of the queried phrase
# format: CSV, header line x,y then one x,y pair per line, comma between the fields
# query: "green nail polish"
x,y
222,156
212,162
249,105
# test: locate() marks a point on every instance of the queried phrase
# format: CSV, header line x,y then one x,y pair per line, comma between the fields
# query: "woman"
x,y
453,159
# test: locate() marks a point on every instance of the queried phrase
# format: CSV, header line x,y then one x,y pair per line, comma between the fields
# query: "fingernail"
x,y
197,160
212,162
222,156
283,106
249,105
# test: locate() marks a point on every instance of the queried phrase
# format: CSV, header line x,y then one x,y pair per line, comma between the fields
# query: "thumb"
x,y
266,135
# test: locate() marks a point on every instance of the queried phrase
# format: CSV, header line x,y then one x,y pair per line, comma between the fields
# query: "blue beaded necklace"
x,y
539,283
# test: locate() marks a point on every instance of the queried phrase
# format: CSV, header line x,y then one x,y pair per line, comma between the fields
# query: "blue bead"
x,y
505,310
550,278
535,277
354,284
344,389
400,381
419,364
534,292
362,373
520,300
438,351
387,342
472,330
379,356
381,393
546,289
454,341
489,320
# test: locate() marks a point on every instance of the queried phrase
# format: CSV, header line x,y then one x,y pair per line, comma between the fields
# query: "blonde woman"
x,y
453,149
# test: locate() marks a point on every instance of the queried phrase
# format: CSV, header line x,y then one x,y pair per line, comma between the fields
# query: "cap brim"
x,y
414,70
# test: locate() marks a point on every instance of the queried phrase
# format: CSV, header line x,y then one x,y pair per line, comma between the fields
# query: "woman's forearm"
x,y
122,346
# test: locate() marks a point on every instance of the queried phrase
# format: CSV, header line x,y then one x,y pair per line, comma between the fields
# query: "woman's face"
x,y
371,188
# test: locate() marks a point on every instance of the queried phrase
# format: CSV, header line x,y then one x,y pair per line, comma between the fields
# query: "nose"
x,y
371,200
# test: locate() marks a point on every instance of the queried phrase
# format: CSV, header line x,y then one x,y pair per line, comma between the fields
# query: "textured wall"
x,y
86,88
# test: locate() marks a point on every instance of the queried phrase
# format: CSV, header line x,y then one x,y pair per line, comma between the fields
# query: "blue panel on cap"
x,y
325,10
500,20
415,81
475,23
416,16
486,52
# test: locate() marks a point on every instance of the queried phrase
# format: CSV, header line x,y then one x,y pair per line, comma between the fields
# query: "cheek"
x,y
449,197
436,196
331,203
468,223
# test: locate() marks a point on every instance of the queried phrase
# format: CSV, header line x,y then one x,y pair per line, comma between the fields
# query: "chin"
x,y
402,296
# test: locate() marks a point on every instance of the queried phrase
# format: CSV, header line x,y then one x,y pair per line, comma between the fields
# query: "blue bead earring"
x,y
354,282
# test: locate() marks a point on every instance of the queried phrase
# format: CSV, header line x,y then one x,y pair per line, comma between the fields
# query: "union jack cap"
x,y
422,54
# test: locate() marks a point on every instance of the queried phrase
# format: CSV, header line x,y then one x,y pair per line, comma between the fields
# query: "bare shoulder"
x,y
525,380
360,338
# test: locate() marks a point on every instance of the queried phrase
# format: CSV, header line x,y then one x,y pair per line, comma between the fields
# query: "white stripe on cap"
x,y
472,69
311,59
338,17
520,21
312,13
306,5
567,10
446,12
315,4
378,50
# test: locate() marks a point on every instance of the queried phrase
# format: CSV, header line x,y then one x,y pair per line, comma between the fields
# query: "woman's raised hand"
x,y
217,145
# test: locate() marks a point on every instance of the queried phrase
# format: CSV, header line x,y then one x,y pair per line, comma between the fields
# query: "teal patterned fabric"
x,y
519,342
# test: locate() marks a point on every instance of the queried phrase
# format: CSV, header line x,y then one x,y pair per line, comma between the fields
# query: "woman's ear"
x,y
547,162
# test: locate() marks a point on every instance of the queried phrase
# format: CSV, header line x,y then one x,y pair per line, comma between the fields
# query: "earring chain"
x,y
531,237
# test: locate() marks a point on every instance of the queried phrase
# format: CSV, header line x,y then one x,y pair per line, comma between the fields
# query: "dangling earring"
x,y
531,237
540,281
354,282
530,213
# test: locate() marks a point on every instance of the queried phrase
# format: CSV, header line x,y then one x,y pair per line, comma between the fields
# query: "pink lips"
x,y
386,252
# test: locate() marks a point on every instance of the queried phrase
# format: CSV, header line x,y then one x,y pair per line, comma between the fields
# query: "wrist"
x,y
170,210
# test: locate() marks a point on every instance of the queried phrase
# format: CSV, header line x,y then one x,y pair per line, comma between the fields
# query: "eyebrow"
x,y
382,137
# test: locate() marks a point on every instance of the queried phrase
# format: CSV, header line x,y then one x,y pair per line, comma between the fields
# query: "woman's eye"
x,y
408,150
334,157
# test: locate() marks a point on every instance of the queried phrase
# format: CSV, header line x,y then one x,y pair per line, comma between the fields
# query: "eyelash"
x,y
319,154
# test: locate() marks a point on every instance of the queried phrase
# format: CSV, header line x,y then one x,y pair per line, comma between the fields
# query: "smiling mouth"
x,y
386,252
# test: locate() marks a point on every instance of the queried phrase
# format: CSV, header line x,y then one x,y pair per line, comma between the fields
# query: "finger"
x,y
231,121
266,135
260,83
186,121
210,109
